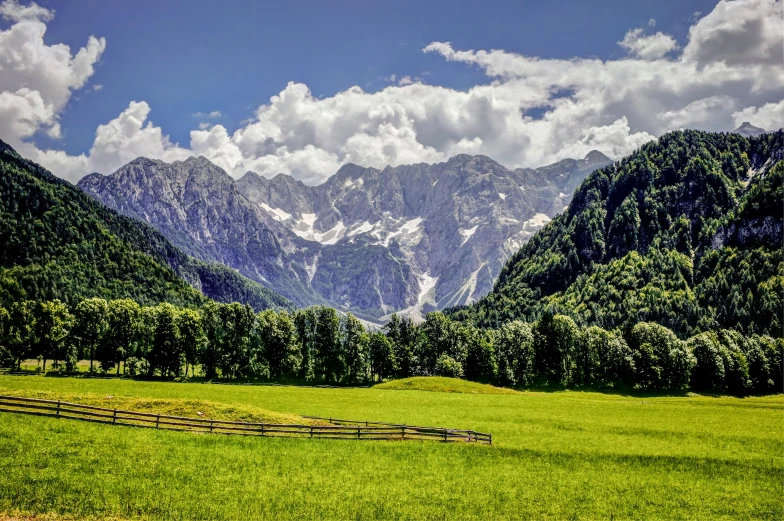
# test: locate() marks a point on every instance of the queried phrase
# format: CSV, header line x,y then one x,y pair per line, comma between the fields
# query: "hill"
x,y
686,232
58,242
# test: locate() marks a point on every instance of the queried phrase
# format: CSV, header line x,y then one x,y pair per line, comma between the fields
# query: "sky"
x,y
304,87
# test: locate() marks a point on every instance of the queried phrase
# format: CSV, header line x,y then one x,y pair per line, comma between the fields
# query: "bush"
x,y
448,366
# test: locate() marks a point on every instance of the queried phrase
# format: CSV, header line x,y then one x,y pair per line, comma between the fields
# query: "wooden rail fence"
x,y
337,428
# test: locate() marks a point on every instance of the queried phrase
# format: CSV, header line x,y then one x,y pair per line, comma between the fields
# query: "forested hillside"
x,y
685,232
58,243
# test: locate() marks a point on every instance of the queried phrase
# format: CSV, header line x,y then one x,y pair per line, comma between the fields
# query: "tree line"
x,y
318,344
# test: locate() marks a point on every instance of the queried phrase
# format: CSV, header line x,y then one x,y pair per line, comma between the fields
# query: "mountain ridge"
x,y
61,243
685,232
411,237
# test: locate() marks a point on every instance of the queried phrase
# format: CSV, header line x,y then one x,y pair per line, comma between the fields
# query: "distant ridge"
x,y
746,129
57,242
405,239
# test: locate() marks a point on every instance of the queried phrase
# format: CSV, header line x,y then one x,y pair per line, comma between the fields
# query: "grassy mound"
x,y
192,408
443,385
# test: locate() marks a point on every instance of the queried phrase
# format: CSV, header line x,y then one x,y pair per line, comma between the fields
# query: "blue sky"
x,y
186,57
526,82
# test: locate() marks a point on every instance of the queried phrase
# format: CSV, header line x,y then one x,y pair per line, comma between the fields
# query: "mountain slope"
x,y
195,205
451,225
686,232
368,241
57,242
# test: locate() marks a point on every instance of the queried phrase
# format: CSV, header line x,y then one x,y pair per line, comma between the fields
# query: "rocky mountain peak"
x,y
746,129
595,157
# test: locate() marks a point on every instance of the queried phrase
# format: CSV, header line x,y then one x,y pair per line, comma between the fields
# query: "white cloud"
x,y
531,111
11,10
648,47
738,32
97,87
769,116
37,79
215,114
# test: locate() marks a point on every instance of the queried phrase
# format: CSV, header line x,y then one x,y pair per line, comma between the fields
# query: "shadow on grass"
x,y
622,391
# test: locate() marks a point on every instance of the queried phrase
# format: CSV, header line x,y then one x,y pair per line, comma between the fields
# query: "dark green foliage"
x,y
514,349
166,354
305,323
603,359
405,338
192,337
122,322
329,363
56,242
20,331
382,357
53,322
480,364
685,232
661,360
280,347
555,343
355,350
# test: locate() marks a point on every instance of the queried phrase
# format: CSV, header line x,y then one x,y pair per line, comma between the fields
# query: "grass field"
x,y
562,455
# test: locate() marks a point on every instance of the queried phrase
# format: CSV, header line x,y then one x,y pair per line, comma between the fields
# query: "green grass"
x,y
562,455
442,385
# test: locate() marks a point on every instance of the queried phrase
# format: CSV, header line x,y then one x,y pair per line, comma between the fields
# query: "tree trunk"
x,y
44,371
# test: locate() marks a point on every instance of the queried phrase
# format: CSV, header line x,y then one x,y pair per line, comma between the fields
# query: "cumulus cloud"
x,y
648,47
37,79
531,111
738,32
11,10
769,116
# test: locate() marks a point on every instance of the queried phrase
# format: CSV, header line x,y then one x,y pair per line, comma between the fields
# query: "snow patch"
x,y
276,213
467,233
409,228
362,228
304,228
538,220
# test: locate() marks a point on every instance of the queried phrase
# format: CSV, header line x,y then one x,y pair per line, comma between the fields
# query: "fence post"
x,y
358,430
210,425
311,431
114,418
444,434
58,408
262,430
402,432
157,419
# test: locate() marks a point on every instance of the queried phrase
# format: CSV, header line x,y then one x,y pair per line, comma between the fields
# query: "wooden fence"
x,y
337,429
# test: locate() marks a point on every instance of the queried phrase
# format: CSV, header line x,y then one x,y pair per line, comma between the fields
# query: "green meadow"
x,y
555,455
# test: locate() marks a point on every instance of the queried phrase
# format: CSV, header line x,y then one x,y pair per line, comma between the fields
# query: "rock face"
x,y
746,129
410,238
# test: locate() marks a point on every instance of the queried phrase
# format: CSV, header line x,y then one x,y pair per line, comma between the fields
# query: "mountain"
x,y
196,206
686,232
746,129
57,242
370,241
452,224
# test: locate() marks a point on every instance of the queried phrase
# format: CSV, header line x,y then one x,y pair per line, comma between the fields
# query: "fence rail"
x,y
337,428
